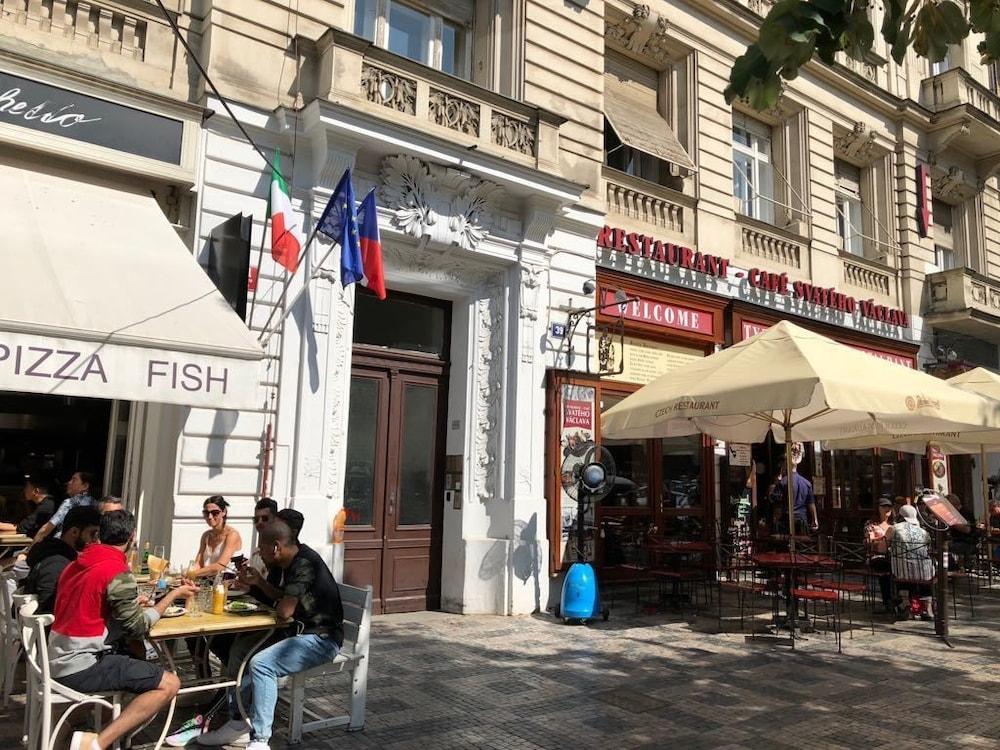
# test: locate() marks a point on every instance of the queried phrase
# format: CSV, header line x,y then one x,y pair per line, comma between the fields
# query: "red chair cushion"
x,y
815,596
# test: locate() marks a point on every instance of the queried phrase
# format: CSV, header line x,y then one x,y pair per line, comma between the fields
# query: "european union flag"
x,y
339,223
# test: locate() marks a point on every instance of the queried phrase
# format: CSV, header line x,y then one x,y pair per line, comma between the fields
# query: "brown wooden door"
x,y
393,489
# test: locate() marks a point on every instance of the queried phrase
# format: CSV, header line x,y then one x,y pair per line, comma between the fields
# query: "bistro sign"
x,y
57,111
621,243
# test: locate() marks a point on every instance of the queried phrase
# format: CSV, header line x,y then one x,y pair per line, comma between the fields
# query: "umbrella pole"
x,y
986,487
789,484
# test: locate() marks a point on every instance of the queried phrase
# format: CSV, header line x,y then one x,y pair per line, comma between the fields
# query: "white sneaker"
x,y
84,741
233,732
259,745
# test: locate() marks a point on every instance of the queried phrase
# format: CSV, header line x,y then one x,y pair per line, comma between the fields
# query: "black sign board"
x,y
229,260
50,109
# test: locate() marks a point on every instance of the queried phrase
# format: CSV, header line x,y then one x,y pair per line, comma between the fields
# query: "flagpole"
x,y
260,261
264,335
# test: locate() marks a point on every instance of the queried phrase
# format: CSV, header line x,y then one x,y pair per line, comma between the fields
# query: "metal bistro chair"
x,y
45,694
738,575
912,570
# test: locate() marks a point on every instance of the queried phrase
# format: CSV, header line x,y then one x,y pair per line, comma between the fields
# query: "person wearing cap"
x,y
294,519
878,549
909,549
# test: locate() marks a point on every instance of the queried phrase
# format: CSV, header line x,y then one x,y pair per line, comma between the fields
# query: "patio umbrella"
x,y
800,386
980,381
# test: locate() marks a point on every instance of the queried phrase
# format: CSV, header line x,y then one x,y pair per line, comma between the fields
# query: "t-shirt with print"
x,y
67,505
318,610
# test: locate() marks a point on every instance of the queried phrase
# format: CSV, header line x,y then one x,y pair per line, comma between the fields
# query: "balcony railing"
x,y
650,205
962,290
760,240
356,73
955,88
869,276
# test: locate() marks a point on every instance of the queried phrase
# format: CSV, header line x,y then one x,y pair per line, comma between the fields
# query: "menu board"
x,y
644,361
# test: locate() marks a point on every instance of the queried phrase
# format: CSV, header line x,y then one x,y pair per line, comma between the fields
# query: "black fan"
x,y
588,475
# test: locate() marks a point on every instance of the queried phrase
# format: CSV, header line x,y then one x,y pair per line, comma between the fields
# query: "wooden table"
x,y
14,540
264,621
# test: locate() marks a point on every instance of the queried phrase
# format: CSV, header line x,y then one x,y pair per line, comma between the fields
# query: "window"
x,y
753,173
850,222
420,32
638,137
944,237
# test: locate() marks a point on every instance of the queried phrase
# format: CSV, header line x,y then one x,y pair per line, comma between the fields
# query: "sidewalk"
x,y
445,681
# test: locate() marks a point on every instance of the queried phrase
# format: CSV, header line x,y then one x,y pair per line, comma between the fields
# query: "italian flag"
x,y
286,242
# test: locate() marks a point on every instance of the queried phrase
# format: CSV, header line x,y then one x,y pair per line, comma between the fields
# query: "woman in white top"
x,y
219,543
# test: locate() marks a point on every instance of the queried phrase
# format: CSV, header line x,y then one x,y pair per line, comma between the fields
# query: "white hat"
x,y
909,514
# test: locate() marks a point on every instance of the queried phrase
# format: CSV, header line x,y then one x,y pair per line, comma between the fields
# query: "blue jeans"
x,y
260,680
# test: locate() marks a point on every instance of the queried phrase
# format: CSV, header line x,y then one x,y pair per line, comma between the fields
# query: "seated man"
x,y
309,595
265,511
99,582
109,503
79,490
36,493
47,559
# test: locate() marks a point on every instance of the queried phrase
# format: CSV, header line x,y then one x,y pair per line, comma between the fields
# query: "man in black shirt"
x,y
36,493
308,595
47,559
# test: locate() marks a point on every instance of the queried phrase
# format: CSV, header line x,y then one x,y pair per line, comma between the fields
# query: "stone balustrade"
x,y
759,240
649,205
868,276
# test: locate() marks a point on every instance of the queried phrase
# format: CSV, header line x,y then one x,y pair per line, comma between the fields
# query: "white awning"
x,y
641,127
100,298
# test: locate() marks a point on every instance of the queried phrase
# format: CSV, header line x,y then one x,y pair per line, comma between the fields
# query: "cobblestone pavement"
x,y
665,681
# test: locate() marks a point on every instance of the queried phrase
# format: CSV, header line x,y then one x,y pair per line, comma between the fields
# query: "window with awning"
x,y
100,298
638,138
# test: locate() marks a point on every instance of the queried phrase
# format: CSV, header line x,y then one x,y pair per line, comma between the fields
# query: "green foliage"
x,y
795,31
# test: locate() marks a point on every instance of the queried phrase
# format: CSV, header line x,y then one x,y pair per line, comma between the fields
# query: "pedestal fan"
x,y
588,475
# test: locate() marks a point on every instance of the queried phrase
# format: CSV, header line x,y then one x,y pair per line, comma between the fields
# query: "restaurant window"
x,y
641,107
850,221
632,463
945,252
681,464
853,480
753,168
434,34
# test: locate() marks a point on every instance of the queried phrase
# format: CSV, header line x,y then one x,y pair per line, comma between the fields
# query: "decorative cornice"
x,y
857,144
952,185
940,140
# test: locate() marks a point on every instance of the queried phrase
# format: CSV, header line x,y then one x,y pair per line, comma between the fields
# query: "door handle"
x,y
392,502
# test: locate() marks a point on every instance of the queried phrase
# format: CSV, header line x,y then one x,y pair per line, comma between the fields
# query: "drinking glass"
x,y
194,604
205,598
160,550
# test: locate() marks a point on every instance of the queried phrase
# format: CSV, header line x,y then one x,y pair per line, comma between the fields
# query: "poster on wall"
x,y
739,454
578,405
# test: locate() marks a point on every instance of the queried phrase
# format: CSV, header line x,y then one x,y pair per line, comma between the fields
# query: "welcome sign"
x,y
49,109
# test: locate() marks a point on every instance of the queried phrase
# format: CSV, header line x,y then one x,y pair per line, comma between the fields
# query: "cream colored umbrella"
x,y
980,381
801,386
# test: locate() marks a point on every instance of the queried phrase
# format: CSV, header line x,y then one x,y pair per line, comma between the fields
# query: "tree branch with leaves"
x,y
795,31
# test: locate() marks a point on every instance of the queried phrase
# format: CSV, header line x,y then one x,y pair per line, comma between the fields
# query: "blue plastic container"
x,y
580,598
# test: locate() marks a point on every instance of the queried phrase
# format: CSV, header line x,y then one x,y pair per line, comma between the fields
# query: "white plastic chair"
x,y
11,636
21,600
352,658
46,694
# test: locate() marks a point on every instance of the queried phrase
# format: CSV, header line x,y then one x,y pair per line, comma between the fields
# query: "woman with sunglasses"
x,y
219,543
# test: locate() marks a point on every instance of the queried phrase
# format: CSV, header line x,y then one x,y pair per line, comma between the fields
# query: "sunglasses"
x,y
212,513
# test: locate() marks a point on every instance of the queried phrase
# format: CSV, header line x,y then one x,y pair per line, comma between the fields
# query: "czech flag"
x,y
371,246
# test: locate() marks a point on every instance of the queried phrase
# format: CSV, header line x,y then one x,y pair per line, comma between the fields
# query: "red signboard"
x,y
662,314
753,327
578,415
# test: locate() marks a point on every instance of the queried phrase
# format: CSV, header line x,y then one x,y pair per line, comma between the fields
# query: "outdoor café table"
x,y
263,621
11,541
792,564
657,548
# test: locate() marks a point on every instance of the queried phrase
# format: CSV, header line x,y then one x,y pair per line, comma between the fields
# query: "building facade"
x,y
568,207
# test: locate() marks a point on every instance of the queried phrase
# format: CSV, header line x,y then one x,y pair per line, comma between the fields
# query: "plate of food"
x,y
235,591
240,608
174,611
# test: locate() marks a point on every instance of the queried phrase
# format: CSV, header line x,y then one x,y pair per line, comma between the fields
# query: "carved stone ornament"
x,y
624,31
453,112
858,143
489,389
381,86
529,291
446,205
512,133
952,185
658,45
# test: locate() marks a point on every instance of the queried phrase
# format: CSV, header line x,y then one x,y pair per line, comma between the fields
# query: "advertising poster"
x,y
577,420
938,463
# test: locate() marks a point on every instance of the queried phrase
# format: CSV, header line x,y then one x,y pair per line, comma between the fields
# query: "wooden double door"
x,y
394,491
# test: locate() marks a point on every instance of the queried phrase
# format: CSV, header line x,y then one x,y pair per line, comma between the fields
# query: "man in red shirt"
x,y
97,590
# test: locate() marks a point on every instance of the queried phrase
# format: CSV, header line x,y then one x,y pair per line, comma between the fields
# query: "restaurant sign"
x,y
94,369
640,254
50,109
654,312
